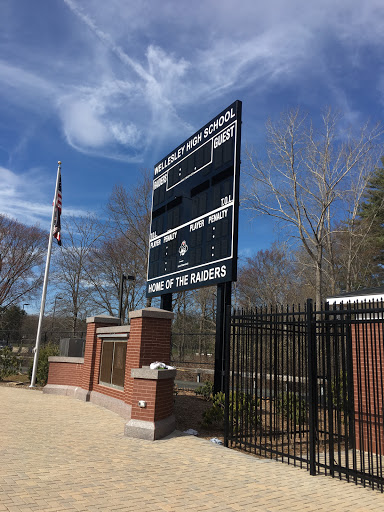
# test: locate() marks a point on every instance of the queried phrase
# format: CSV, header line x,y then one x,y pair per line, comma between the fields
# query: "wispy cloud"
x,y
246,252
140,68
260,46
23,197
128,80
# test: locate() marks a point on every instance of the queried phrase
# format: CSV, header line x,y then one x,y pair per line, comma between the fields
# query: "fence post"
x,y
312,384
349,394
329,385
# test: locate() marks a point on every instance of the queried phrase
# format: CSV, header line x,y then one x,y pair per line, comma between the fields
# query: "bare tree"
x,y
21,260
116,256
183,323
96,256
270,277
348,255
304,180
82,235
205,307
130,212
354,262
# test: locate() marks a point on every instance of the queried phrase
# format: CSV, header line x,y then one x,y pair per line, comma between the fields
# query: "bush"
x,y
340,398
43,364
206,391
339,394
242,405
292,408
9,363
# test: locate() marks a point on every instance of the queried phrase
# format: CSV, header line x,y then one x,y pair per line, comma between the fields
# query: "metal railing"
x,y
307,388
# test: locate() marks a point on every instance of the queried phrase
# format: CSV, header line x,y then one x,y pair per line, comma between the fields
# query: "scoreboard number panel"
x,y
195,205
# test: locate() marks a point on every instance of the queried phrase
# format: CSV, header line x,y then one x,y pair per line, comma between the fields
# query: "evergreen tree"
x,y
372,215
10,322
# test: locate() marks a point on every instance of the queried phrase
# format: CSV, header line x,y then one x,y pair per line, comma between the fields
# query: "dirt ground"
x,y
189,410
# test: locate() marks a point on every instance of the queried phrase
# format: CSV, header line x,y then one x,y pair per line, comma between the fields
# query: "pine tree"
x,y
372,214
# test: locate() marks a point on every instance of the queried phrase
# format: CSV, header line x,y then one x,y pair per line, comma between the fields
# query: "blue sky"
x,y
111,87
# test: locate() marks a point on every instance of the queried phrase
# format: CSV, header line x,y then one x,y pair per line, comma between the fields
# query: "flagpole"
x,y
42,307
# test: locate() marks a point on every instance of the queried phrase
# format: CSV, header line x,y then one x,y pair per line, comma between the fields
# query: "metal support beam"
x,y
166,302
223,301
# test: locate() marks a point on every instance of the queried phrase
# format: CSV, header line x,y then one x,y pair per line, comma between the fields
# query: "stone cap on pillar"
x,y
66,359
148,374
151,313
103,319
113,329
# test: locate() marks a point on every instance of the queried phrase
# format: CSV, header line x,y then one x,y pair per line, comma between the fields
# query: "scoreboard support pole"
x,y
223,311
166,302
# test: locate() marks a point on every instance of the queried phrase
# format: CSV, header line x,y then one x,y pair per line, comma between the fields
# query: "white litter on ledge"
x,y
161,366
216,441
191,432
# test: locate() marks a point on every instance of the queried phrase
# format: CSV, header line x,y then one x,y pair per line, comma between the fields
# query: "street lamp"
x,y
25,305
54,310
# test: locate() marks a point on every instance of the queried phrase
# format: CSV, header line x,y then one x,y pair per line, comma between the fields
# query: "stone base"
x,y
82,394
149,430
113,404
61,389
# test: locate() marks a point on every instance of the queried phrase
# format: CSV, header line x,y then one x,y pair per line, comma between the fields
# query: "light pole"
x,y
25,305
54,311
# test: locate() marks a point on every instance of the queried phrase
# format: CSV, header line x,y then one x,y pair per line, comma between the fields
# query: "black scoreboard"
x,y
195,206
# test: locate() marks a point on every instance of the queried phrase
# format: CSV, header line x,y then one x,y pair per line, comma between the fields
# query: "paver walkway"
x,y
59,454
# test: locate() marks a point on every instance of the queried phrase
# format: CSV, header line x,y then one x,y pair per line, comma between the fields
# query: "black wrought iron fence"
x,y
307,387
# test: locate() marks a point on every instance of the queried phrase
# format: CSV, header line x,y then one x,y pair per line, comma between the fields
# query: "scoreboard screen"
x,y
195,202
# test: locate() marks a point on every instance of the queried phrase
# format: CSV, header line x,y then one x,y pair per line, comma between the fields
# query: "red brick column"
x,y
368,376
152,404
92,350
149,341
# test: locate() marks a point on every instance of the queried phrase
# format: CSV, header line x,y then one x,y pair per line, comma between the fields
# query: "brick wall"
x,y
164,399
368,372
149,340
159,397
65,373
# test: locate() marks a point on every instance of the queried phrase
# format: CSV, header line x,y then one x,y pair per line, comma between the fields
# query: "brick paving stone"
x,y
60,454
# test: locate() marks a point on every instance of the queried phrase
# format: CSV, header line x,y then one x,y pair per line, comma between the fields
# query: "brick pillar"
x,y
92,351
152,404
368,376
149,341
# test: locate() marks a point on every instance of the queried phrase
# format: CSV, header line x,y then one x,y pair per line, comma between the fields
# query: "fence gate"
x,y
306,387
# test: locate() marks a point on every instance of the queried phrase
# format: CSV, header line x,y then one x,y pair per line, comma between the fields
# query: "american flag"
x,y
57,223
